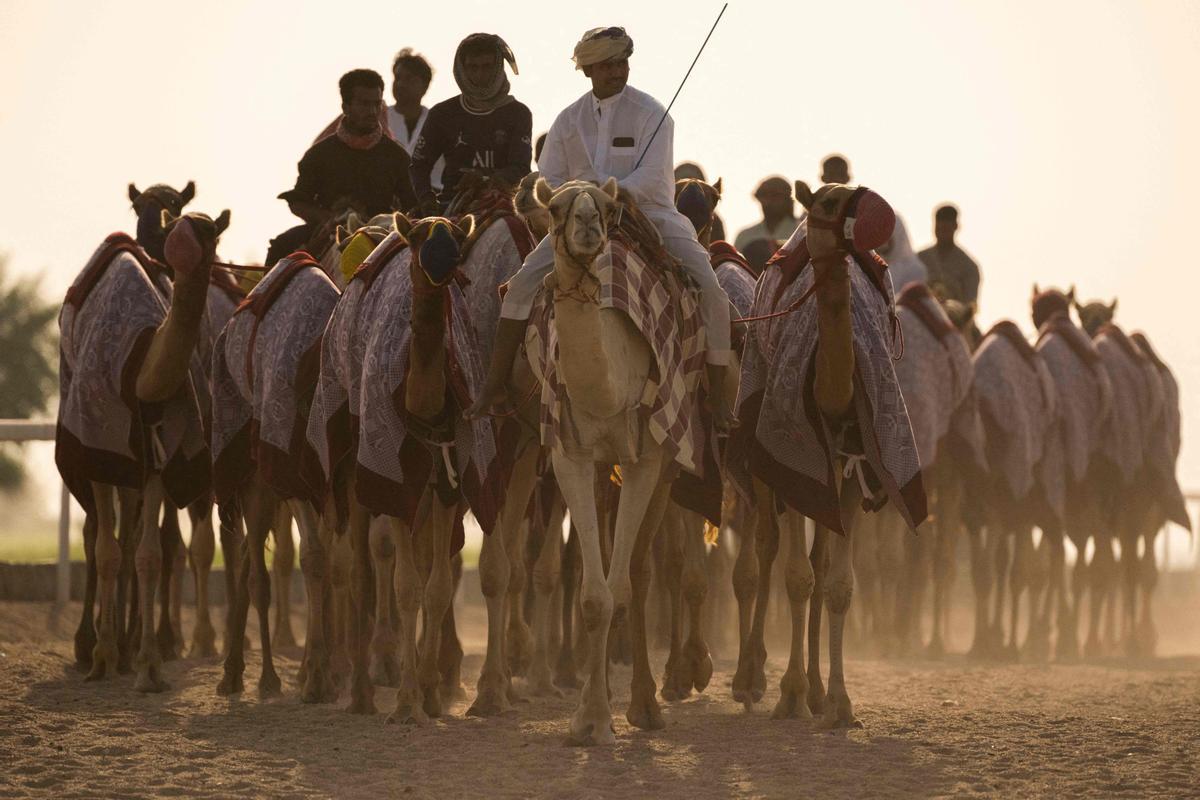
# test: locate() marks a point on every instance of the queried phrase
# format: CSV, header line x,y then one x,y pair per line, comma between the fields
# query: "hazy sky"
x,y
1066,132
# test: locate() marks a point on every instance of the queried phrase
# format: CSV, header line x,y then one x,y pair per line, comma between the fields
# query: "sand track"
x,y
931,729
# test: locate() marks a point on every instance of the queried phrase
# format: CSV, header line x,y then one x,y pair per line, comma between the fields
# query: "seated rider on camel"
x,y
599,136
485,129
359,167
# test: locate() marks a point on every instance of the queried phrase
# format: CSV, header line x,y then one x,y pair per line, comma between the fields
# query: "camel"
x,y
1136,481
130,431
398,303
264,374
1017,402
1070,469
935,377
604,362
824,430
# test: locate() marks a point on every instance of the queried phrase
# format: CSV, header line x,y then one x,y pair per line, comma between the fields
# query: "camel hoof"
x,y
318,688
230,684
540,685
816,696
150,682
565,676
520,649
644,712
269,686
839,713
85,643
491,701
936,651
362,704
203,648
452,692
283,638
700,666
586,736
793,700
1093,650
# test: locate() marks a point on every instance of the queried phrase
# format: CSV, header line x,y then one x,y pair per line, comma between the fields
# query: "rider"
x,y
608,133
358,167
484,129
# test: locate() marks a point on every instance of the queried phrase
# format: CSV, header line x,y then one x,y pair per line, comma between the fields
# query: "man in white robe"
x,y
604,134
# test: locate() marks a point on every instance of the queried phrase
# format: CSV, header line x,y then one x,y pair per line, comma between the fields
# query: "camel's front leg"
x,y
839,589
385,648
565,671
316,684
229,517
1101,576
981,581
358,632
592,721
1147,636
946,527
260,509
750,682
799,579
669,572
697,665
104,656
85,634
495,570
170,627
408,601
545,583
819,558
149,564
645,493
281,574
200,552
439,593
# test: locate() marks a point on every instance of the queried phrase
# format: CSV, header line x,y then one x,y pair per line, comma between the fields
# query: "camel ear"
x,y
1071,294
717,187
165,218
542,193
222,221
1112,307
402,224
340,235
1036,291
466,225
1075,303
610,188
134,193
353,223
804,195
188,193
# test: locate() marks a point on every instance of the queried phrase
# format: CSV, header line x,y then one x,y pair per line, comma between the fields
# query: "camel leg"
x,y
565,670
1100,575
439,593
819,558
384,669
341,604
1146,640
592,720
450,653
149,562
1038,641
1018,580
281,576
697,667
201,552
316,684
945,537
85,634
229,517
744,577
494,688
643,518
547,575
669,577
260,513
1000,563
409,709
1067,645
981,579
896,575
799,579
866,628
170,585
519,648
129,522
749,682
1129,568
108,566
358,615
839,590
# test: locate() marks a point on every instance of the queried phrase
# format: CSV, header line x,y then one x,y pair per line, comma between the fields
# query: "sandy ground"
x,y
931,730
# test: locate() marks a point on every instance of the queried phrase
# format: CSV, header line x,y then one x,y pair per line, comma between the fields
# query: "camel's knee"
x,y
494,568
313,561
596,607
799,580
838,593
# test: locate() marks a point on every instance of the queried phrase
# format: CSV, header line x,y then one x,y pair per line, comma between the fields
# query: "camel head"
x,y
580,213
697,201
844,219
1050,302
437,244
356,240
537,217
1094,315
149,205
190,244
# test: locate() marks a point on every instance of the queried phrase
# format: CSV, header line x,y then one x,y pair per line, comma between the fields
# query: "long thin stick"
x,y
680,89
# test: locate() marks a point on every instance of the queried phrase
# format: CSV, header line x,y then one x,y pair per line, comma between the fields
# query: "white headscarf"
x,y
601,44
903,263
